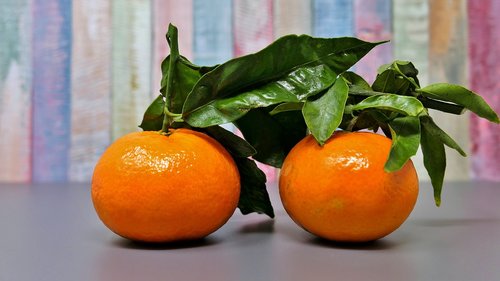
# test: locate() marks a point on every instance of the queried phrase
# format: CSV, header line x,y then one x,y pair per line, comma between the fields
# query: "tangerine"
x,y
341,192
153,187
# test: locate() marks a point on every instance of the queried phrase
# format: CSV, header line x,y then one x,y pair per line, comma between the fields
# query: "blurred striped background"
x,y
77,74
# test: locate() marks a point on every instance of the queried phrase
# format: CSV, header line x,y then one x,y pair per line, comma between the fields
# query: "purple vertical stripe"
x,y
333,18
484,39
51,89
373,22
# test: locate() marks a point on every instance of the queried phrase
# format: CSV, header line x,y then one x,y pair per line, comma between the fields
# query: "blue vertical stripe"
x,y
213,42
51,90
333,18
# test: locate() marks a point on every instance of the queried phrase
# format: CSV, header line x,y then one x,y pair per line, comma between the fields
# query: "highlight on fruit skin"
x,y
340,191
151,187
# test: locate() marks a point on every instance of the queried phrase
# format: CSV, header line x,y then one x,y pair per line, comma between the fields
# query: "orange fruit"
x,y
341,192
153,187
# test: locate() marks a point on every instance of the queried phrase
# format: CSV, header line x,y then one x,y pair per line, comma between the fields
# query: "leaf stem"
x,y
170,117
396,67
442,106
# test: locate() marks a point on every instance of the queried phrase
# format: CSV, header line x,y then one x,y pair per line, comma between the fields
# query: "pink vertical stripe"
x,y
253,25
484,69
373,22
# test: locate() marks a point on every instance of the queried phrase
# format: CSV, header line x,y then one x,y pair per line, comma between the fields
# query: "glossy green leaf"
x,y
408,71
272,136
358,91
184,77
390,82
293,87
407,68
358,86
383,67
354,79
179,75
461,96
402,104
253,196
237,146
434,160
153,117
324,114
442,106
368,119
405,134
287,106
434,130
273,62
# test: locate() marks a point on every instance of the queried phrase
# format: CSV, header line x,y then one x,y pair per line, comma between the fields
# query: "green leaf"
x,y
461,96
358,91
406,68
442,106
408,71
253,196
433,129
184,77
383,67
236,146
406,105
384,81
293,87
390,82
273,62
153,117
356,80
405,133
179,75
324,114
434,161
272,136
287,106
358,86
173,97
365,120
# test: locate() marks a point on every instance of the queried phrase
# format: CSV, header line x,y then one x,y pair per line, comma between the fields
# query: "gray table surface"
x,y
51,232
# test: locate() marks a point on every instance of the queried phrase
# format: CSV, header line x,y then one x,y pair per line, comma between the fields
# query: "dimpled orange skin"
x,y
341,192
155,188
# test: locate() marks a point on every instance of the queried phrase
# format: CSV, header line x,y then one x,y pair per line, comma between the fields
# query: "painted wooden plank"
x,y
292,17
213,40
373,22
179,13
411,34
51,89
447,63
15,91
90,86
411,42
253,25
333,18
131,64
484,69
